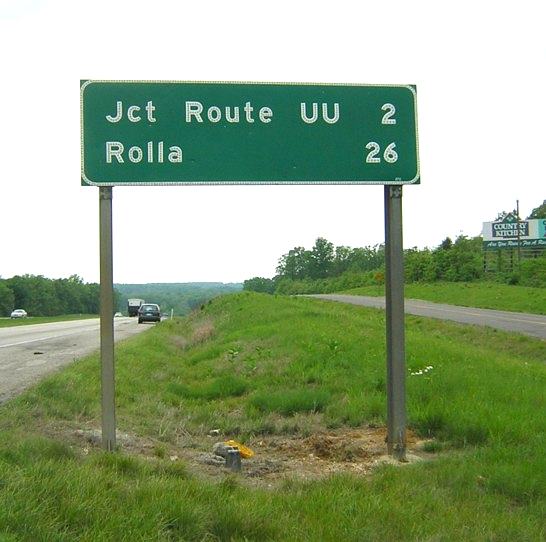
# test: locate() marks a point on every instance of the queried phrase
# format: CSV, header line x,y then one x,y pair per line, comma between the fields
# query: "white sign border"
x,y
84,83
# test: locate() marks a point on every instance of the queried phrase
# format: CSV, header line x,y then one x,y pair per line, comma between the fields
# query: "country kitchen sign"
x,y
504,233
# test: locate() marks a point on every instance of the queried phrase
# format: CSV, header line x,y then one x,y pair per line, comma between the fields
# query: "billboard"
x,y
511,233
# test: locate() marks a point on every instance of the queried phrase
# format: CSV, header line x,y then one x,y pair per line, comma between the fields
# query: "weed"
x,y
160,451
232,354
288,402
317,365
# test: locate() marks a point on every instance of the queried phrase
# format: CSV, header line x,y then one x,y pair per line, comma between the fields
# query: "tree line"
x,y
301,270
182,298
327,268
41,296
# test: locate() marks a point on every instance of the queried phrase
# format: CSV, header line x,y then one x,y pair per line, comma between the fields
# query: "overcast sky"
x,y
480,75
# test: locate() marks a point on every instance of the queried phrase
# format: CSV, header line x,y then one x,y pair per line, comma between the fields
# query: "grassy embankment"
x,y
486,295
8,322
254,365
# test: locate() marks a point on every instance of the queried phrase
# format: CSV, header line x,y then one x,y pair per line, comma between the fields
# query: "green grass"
x,y
8,322
253,364
291,401
485,295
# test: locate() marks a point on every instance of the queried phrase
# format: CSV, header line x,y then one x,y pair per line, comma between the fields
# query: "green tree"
x,y
7,299
259,284
419,265
461,262
367,258
71,295
538,212
92,298
322,259
342,260
21,292
41,296
179,297
295,264
533,272
446,244
43,300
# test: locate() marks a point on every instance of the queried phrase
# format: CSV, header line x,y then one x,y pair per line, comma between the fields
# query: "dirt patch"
x,y
277,458
179,341
201,332
321,454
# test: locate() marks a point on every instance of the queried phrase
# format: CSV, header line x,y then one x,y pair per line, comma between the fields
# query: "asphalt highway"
x,y
528,324
29,352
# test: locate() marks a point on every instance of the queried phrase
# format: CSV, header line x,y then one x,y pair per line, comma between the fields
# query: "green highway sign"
x,y
176,133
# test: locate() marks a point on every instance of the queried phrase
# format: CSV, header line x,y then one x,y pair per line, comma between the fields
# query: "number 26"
x,y
389,155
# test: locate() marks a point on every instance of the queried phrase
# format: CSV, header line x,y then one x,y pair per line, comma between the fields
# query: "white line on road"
x,y
42,339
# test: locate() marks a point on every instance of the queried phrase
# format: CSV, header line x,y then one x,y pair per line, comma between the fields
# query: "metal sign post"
x,y
519,235
396,358
107,321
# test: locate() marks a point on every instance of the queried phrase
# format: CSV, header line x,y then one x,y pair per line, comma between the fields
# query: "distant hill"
x,y
182,297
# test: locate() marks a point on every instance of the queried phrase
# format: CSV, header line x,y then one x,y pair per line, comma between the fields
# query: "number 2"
x,y
390,111
373,147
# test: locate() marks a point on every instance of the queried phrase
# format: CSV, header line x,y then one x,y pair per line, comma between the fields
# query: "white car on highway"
x,y
18,313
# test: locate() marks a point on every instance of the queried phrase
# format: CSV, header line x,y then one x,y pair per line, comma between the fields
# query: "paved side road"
x,y
528,324
29,352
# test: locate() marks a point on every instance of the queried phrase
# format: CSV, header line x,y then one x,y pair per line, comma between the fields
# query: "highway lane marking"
x,y
38,340
77,332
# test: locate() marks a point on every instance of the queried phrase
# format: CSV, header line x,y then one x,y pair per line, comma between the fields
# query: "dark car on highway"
x,y
149,312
